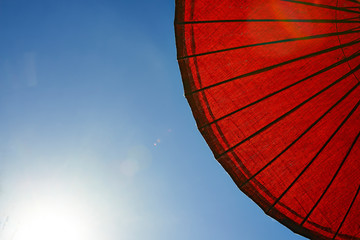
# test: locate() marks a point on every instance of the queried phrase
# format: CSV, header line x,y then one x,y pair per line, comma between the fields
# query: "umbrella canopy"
x,y
274,88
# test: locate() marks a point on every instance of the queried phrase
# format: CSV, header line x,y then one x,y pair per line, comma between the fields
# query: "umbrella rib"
x,y
265,69
300,136
322,148
323,6
273,42
354,1
283,89
272,67
332,180
271,20
289,112
347,213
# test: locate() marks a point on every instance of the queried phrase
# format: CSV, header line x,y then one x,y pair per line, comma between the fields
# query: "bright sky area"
x,y
97,140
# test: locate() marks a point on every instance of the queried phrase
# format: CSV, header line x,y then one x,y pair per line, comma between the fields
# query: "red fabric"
x,y
274,88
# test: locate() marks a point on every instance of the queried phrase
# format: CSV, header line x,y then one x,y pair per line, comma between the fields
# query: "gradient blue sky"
x,y
92,114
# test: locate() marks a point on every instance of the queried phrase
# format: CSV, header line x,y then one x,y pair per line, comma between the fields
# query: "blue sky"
x,y
93,118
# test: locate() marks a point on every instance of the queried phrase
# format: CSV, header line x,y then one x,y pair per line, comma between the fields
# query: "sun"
x,y
55,220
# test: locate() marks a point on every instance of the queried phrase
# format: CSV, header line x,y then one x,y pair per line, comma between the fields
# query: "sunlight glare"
x,y
52,221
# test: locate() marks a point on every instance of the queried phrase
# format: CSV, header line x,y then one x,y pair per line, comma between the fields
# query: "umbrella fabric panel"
x,y
251,121
273,86
324,213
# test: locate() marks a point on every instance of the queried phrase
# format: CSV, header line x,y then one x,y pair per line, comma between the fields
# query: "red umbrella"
x,y
274,88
